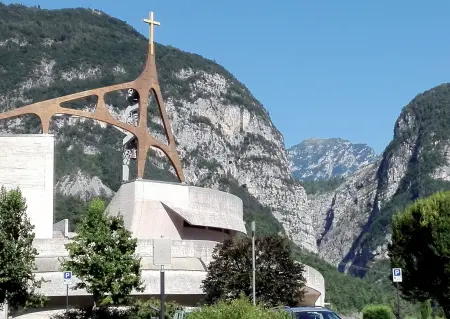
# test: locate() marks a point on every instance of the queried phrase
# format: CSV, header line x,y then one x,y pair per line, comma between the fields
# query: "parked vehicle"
x,y
309,312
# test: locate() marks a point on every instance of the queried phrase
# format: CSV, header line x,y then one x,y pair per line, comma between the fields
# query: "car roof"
x,y
297,309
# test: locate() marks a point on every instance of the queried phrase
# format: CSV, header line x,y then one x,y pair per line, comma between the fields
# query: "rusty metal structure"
x,y
145,83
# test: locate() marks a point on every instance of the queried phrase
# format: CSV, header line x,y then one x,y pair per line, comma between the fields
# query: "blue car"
x,y
309,312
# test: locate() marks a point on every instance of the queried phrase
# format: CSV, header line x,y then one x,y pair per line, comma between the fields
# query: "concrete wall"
x,y
26,161
153,209
183,277
182,282
315,280
201,249
62,226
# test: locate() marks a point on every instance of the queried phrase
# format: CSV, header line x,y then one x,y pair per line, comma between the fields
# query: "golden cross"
x,y
151,23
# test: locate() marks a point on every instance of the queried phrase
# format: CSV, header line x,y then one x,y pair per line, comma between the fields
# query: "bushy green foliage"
x,y
70,156
102,256
425,309
237,309
322,186
377,312
89,313
138,309
69,207
279,279
421,245
17,255
407,308
150,308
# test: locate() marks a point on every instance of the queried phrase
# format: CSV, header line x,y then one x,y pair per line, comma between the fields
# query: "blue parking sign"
x,y
67,277
397,275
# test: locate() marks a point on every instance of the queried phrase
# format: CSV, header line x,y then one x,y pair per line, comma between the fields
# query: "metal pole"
x,y
253,262
161,301
67,300
398,301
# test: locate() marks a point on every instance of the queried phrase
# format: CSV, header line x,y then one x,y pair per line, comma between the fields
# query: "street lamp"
x,y
253,260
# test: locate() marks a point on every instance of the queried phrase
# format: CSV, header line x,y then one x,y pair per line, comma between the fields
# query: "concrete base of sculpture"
x,y
26,161
153,209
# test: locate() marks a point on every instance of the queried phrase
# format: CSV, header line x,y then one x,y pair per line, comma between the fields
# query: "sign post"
x,y
253,263
67,281
397,277
162,255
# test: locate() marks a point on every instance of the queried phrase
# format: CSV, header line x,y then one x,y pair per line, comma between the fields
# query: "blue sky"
x,y
321,68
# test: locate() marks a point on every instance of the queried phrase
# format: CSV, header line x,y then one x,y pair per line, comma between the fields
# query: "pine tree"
x,y
102,256
17,256
279,279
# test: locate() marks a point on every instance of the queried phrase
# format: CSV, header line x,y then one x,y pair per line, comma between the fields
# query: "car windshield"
x,y
316,315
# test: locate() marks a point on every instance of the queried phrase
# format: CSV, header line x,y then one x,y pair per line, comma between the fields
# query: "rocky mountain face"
x,y
353,222
320,159
225,137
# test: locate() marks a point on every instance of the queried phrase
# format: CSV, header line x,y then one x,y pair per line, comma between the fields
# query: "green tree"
x,y
102,256
17,255
377,312
407,309
279,279
425,309
421,245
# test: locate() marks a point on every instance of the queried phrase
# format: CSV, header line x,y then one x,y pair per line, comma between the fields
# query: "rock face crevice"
x,y
351,204
329,219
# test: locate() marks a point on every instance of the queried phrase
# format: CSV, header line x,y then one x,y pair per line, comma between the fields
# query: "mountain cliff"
x,y
353,221
224,136
320,159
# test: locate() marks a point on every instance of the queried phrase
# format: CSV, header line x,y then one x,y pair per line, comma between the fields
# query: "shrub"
x,y
237,309
139,309
86,313
377,312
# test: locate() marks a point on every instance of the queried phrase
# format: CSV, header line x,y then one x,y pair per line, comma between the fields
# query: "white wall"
x,y
153,209
26,161
315,280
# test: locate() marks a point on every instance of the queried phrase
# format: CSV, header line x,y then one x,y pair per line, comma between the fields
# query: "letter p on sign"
x,y
397,275
67,277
